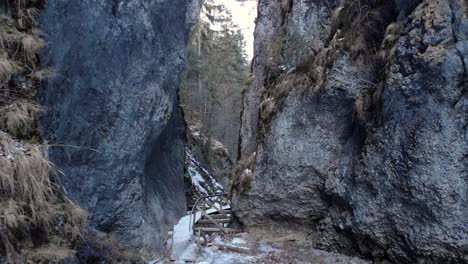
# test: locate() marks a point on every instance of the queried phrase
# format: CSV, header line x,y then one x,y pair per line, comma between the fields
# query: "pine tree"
x,y
216,73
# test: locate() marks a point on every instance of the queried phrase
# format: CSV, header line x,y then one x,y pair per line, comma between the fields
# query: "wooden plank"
x,y
220,216
214,222
208,229
214,206
244,250
198,239
215,229
218,201
195,214
218,208
219,220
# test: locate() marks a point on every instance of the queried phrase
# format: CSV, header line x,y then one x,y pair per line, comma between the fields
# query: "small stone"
x,y
214,248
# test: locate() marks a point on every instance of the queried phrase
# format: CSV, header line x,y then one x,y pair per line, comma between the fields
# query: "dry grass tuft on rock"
x,y
275,94
27,17
9,35
8,68
30,205
31,45
361,24
38,224
24,173
241,177
42,74
52,253
19,118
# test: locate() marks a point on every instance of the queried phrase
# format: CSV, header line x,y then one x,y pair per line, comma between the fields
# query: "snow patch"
x,y
183,241
239,241
211,256
264,247
205,184
197,180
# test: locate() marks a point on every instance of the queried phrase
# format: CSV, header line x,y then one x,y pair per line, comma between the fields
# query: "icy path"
x,y
244,248
183,241
184,247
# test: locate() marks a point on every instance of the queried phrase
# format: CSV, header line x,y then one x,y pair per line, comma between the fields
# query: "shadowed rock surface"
x,y
361,146
113,114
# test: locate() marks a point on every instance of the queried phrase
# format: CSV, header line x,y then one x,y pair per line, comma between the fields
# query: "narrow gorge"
x,y
339,137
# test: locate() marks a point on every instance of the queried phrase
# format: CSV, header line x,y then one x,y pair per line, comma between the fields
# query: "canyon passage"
x,y
233,131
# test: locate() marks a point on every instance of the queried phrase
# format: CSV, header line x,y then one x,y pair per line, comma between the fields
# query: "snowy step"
x,y
215,229
218,220
218,216
224,211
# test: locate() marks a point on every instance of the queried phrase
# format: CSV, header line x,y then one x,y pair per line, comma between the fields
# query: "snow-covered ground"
x,y
197,179
183,240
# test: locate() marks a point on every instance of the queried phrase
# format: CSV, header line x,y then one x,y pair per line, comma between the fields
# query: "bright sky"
x,y
243,15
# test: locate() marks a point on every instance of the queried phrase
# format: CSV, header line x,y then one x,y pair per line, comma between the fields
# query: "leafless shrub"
x,y
361,24
275,51
27,17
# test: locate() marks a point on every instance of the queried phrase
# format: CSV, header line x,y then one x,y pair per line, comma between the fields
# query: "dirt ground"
x,y
244,248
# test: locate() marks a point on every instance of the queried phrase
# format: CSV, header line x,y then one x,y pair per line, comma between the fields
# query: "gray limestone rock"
x,y
385,180
112,117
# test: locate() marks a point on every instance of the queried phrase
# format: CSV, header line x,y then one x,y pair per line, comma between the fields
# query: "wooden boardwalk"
x,y
211,214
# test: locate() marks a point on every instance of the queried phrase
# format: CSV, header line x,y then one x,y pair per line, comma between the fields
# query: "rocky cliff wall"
x,y
358,120
112,116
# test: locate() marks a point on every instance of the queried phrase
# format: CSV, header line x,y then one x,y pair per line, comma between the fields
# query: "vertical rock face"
x,y
364,151
269,21
112,114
